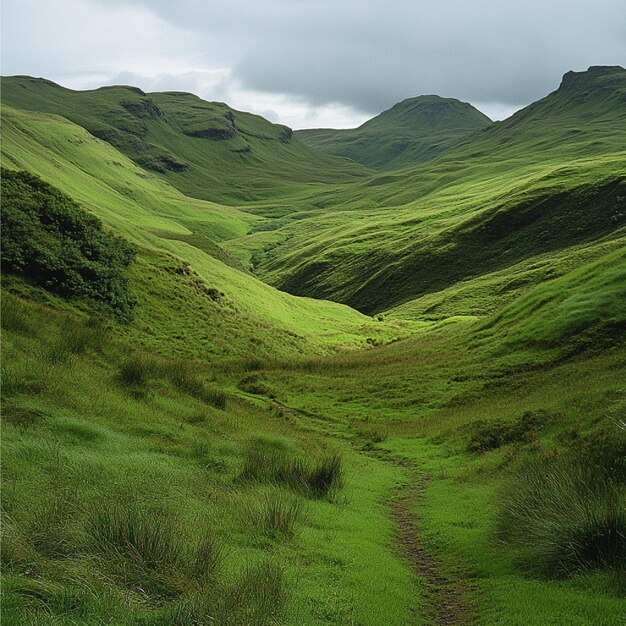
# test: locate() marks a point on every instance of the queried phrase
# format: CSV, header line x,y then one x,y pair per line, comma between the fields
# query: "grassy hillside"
x,y
412,131
205,149
221,310
525,194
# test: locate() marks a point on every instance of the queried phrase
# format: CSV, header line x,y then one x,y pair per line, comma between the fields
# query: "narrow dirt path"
x,y
445,601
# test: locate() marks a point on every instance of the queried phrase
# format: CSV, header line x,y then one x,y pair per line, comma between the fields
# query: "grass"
x,y
170,142
275,514
412,131
140,501
136,371
318,478
561,516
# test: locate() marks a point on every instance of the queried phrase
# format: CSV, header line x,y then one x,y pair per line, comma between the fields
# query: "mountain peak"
x,y
431,112
596,73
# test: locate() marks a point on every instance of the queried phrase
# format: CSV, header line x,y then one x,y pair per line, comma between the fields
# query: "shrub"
x,y
47,237
564,514
274,514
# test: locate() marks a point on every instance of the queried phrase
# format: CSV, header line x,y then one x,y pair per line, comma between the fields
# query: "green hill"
x,y
205,149
520,197
412,131
222,309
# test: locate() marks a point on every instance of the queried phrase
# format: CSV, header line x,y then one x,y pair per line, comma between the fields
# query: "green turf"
x,y
510,193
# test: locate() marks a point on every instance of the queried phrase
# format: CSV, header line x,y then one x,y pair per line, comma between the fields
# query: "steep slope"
x,y
543,188
412,131
205,149
189,300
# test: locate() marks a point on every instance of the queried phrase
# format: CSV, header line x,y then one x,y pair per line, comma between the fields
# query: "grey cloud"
x,y
369,54
362,54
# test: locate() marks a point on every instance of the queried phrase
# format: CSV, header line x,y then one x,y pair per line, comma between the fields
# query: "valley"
x,y
252,376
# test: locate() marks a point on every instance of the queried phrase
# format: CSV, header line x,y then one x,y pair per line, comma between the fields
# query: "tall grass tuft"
x,y
258,597
132,531
14,314
315,478
214,397
564,514
78,337
206,559
275,514
187,381
326,475
19,375
136,371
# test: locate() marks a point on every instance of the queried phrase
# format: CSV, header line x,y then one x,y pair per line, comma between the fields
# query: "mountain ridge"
x,y
207,150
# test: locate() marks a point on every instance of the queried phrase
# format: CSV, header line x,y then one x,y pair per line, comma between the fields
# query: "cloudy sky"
x,y
310,63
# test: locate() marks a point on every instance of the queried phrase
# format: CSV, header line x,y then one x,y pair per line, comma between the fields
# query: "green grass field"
x,y
336,396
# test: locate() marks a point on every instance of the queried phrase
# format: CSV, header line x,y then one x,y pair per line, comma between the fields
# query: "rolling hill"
x,y
412,131
526,194
226,452
178,251
205,149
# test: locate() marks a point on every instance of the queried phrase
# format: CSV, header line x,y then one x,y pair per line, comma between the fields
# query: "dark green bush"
x,y
47,237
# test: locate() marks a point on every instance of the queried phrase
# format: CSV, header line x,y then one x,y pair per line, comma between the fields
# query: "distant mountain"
x,y
205,149
413,131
